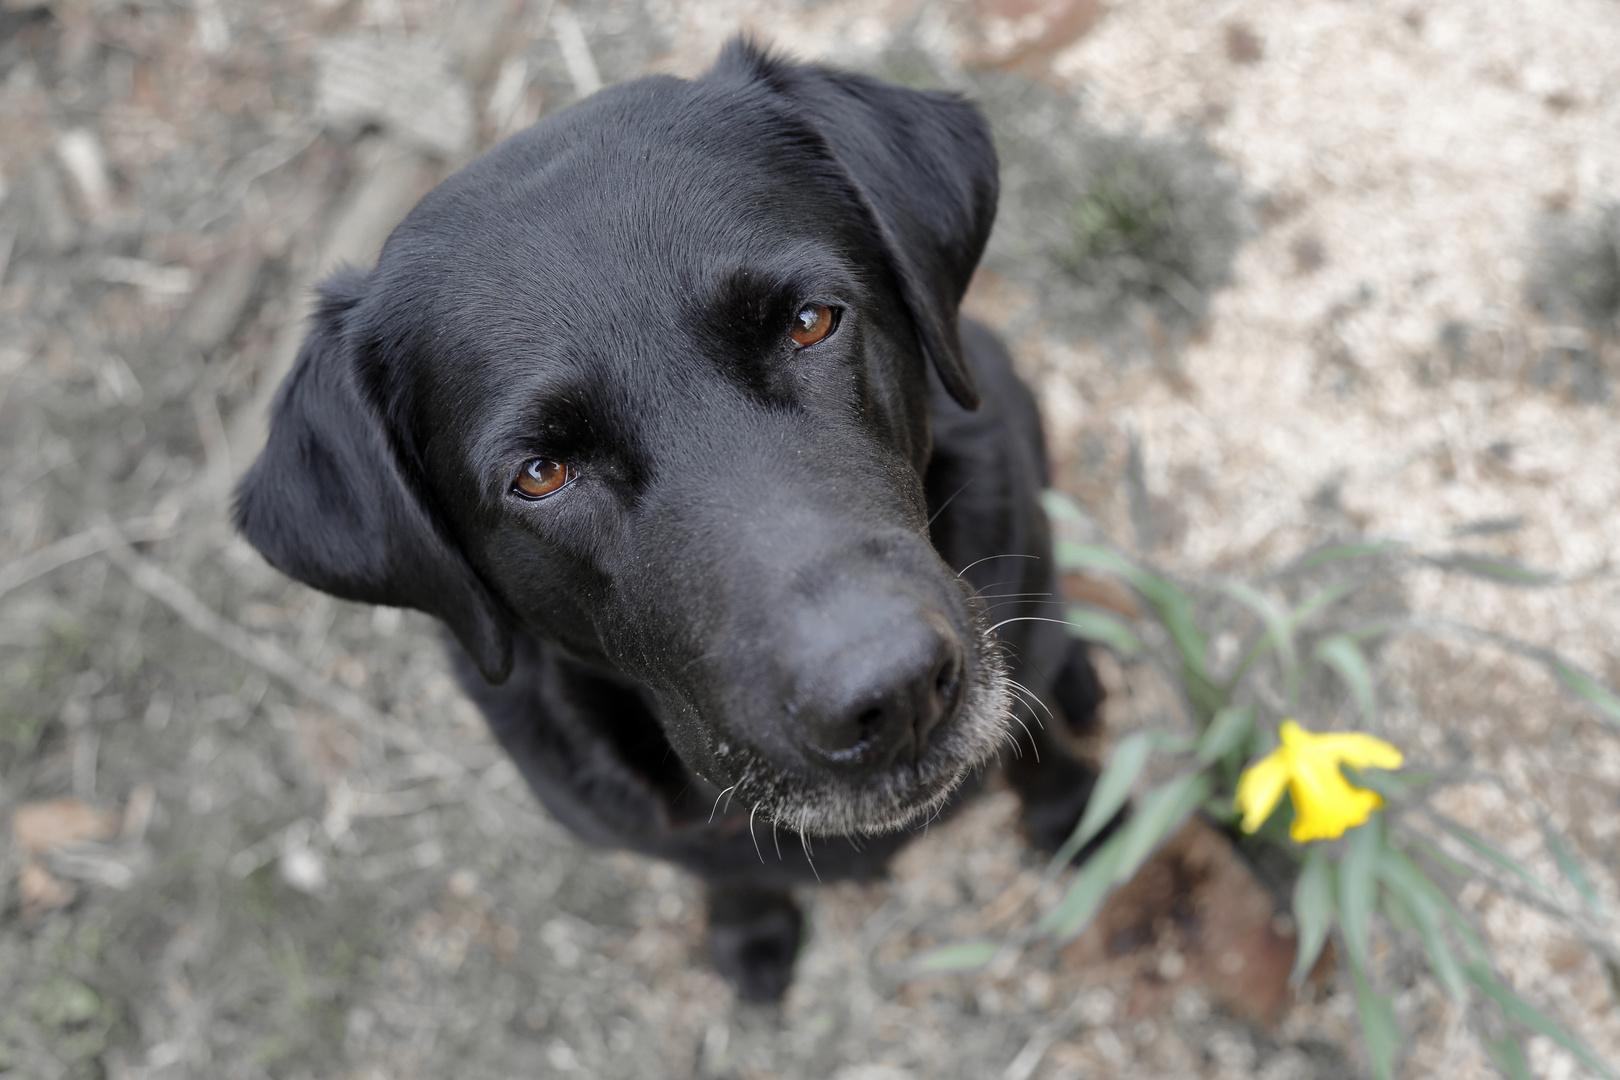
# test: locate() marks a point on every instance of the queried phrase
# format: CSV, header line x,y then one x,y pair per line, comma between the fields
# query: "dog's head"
x,y
650,381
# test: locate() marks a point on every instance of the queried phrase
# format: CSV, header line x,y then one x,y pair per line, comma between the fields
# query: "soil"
x,y
256,832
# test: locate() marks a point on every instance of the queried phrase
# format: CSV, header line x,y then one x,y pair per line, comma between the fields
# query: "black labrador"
x,y
663,406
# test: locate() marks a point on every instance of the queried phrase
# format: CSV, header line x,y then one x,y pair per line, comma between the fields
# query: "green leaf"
x,y
1378,1027
1358,883
1573,870
1104,629
1226,733
1391,785
1172,744
1508,1056
1074,556
1442,961
1173,607
1112,789
1086,892
1206,697
1600,696
1331,594
1496,855
1521,1011
1423,902
1162,810
1502,570
1279,629
1313,912
1432,853
1465,930
962,956
1060,507
1397,912
1341,653
1175,610
1405,877
1349,551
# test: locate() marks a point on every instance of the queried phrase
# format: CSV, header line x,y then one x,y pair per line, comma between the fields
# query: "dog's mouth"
x,y
905,794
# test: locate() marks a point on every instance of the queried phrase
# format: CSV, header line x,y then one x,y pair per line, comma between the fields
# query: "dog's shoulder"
x,y
988,466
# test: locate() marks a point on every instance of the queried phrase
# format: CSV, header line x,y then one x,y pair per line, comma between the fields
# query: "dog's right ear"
x,y
331,502
923,166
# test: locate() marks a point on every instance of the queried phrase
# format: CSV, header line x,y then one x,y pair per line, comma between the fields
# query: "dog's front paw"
x,y
754,937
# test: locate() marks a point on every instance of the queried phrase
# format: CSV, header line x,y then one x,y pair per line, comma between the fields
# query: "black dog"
x,y
664,408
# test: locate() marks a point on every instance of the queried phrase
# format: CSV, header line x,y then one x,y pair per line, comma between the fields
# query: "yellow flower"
x,y
1307,764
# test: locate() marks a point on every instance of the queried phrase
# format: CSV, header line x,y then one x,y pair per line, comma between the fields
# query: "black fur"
x,y
761,613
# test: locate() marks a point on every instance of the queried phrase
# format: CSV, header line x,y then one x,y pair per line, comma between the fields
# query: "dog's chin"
x,y
898,797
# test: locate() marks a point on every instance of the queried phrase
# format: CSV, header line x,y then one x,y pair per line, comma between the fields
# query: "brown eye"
x,y
540,477
812,323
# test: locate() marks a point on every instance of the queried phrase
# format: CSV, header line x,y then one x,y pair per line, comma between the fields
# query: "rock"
x,y
41,827
1008,32
85,162
1193,916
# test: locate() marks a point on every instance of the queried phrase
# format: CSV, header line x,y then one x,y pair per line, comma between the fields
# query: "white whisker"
x,y
1034,698
751,835
1028,618
1032,744
805,840
987,558
950,500
1029,701
717,799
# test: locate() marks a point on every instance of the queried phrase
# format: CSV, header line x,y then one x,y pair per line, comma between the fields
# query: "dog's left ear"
x,y
924,164
332,502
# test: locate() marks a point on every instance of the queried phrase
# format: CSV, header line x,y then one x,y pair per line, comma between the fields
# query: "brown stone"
x,y
1101,592
1011,32
45,826
1193,916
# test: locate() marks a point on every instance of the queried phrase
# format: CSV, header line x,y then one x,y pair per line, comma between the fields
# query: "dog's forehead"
x,y
645,185
610,223
617,213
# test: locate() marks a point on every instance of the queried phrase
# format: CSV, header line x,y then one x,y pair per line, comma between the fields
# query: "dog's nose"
x,y
873,698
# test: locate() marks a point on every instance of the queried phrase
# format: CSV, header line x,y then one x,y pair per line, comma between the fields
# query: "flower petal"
x,y
1325,804
1292,735
1260,787
1358,750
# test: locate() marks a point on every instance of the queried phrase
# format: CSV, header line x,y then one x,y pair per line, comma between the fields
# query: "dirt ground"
x,y
255,832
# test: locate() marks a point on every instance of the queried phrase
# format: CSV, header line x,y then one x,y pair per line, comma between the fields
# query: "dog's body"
x,y
664,409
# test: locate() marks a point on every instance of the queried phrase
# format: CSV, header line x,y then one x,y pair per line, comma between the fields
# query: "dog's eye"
x,y
812,323
540,477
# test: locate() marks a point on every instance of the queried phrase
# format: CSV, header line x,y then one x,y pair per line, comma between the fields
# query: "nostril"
x,y
861,739
945,681
875,699
946,696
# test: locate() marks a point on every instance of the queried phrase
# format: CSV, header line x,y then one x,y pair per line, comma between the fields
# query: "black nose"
x,y
872,695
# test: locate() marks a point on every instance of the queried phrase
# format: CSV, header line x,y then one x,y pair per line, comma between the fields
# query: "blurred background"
x,y
1282,273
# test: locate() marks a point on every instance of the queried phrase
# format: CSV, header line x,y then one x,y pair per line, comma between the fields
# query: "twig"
x,y
1023,1066
576,51
81,546
263,652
